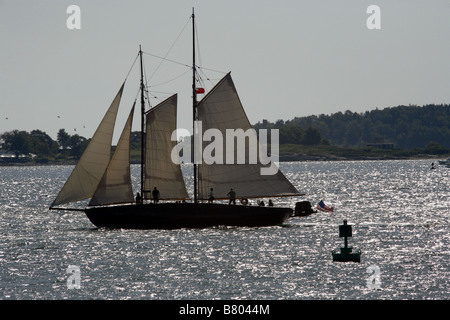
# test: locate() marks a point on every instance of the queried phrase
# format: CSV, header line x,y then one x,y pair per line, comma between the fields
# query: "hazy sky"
x,y
287,58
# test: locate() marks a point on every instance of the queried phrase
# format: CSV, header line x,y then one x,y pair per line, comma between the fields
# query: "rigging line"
x,y
165,82
199,74
198,67
158,99
165,59
170,49
212,70
137,93
199,71
200,81
198,44
146,90
135,59
183,64
207,78
161,92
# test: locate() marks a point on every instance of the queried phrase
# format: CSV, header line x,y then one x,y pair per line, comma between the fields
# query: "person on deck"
x,y
211,196
232,196
138,198
155,194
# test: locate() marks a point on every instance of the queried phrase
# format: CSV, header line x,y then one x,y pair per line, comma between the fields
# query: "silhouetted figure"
x,y
211,196
155,194
232,196
138,198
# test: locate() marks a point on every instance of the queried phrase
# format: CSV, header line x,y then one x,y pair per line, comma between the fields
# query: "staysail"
x,y
86,176
115,185
160,171
221,109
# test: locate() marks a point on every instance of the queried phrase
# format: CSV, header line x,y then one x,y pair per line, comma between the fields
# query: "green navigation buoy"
x,y
346,253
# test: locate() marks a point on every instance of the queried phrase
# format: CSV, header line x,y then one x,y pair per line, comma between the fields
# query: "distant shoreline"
x,y
306,158
284,158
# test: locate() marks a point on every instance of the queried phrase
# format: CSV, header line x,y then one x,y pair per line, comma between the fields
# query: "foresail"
x,y
86,175
221,109
115,185
160,171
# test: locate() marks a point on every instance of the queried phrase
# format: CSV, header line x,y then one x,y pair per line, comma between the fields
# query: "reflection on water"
x,y
399,211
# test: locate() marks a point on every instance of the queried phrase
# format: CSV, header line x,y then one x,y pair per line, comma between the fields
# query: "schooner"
x,y
106,179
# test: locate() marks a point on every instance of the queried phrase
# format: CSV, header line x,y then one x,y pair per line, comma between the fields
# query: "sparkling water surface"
x,y
399,211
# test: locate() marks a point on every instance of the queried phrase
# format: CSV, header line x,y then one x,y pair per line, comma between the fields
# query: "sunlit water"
x,y
399,211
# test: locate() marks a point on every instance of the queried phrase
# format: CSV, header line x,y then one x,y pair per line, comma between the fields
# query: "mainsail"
x,y
86,176
115,185
221,109
160,171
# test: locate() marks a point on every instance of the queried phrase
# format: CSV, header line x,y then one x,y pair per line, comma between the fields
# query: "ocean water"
x,y
399,212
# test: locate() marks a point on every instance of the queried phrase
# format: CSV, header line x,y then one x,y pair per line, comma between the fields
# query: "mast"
x,y
142,125
194,104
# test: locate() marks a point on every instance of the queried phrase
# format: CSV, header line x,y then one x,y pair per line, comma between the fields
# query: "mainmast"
x,y
142,126
194,105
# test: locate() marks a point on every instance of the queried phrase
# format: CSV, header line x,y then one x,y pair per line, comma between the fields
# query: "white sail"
x,y
221,109
84,179
115,185
160,171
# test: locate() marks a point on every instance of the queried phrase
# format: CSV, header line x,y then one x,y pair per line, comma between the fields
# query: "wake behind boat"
x,y
106,180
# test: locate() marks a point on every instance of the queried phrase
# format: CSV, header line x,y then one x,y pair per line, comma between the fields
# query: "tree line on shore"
x,y
406,127
23,146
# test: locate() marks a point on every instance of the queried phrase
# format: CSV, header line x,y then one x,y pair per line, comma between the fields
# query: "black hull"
x,y
185,215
